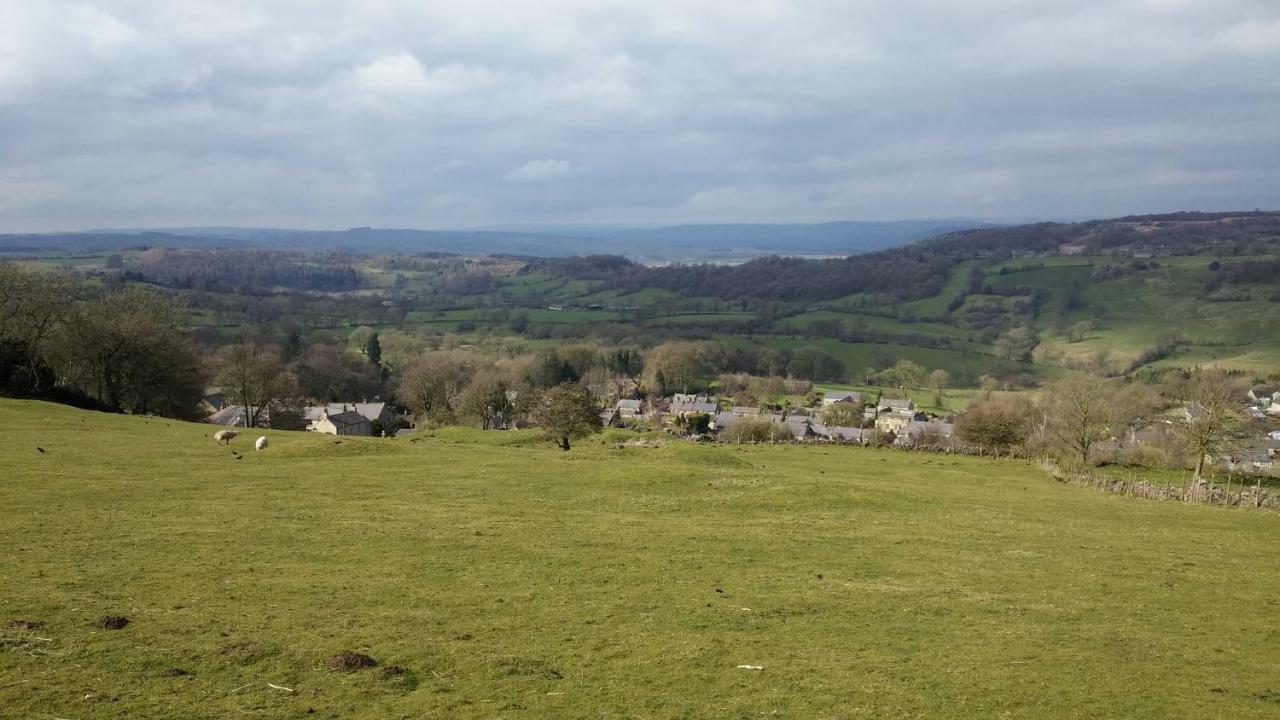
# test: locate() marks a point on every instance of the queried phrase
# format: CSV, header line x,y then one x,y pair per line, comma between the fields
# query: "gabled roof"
x,y
918,426
629,405
839,432
688,397
695,407
852,397
726,419
234,416
897,403
798,429
744,411
369,410
347,419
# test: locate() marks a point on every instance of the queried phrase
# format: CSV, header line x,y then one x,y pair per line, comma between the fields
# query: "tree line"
x,y
125,350
246,270
1073,417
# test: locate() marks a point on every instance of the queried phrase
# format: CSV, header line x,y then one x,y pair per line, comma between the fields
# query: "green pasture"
x,y
490,575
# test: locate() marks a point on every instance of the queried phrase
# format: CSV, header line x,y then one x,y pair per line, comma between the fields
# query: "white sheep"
x,y
225,436
261,443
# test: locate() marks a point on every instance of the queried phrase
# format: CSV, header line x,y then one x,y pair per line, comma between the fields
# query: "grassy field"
x,y
507,579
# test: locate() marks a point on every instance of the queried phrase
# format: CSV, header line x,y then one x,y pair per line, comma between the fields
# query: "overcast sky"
x,y
412,113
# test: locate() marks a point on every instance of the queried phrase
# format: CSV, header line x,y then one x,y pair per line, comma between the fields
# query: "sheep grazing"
x,y
261,443
225,436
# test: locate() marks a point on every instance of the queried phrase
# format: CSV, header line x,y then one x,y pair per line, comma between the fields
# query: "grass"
x,y
708,318
936,306
1139,309
877,323
511,580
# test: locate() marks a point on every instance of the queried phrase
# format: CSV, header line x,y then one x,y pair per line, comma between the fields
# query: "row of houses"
x,y
895,419
351,418
1264,402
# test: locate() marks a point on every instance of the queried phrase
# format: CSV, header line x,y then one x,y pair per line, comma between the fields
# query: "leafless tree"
x,y
1081,412
255,378
1213,411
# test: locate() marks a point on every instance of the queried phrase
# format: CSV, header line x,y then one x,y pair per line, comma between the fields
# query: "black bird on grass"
x,y
41,449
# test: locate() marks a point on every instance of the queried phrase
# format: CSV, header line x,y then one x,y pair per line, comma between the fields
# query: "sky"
x,y
390,113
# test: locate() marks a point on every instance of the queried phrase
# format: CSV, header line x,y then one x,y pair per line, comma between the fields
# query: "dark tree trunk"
x,y
564,443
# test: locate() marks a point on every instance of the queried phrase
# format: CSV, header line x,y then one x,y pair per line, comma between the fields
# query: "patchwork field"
x,y
499,577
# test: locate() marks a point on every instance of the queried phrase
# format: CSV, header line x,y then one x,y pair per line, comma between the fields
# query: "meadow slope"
x,y
510,580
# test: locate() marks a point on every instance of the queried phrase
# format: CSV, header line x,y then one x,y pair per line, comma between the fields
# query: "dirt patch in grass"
x,y
25,624
350,662
112,622
398,677
175,672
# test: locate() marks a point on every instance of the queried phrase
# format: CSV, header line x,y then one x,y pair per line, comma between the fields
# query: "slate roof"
x,y
850,397
897,403
917,426
695,407
234,416
347,419
799,430
688,398
839,432
368,410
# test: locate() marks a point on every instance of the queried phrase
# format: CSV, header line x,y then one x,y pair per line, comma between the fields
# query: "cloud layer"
x,y
333,113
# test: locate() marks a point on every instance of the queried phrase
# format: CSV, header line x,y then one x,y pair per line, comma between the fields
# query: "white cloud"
x,y
536,171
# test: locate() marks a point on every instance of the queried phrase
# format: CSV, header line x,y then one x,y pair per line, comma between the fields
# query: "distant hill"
x,y
715,243
1170,233
918,270
107,240
741,241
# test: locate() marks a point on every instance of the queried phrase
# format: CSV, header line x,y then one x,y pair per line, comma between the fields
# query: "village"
x,y
878,418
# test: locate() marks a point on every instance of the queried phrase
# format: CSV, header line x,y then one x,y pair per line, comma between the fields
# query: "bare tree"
x,y
431,385
485,399
678,365
255,378
1213,411
843,414
1081,412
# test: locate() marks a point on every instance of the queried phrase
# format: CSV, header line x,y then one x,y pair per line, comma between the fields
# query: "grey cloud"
x,y
328,113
